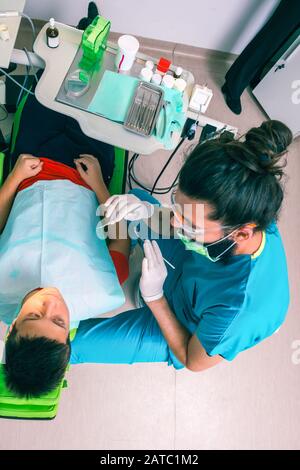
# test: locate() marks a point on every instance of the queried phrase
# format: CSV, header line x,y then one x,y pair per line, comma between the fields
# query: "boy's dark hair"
x,y
34,366
241,180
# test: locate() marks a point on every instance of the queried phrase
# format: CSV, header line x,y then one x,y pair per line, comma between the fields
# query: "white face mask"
x,y
203,249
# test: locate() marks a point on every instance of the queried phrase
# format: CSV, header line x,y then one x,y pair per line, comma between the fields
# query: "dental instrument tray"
x,y
144,110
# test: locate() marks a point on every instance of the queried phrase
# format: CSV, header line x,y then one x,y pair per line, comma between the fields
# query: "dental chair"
x,y
46,406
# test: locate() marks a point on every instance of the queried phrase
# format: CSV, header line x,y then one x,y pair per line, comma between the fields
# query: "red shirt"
x,y
53,170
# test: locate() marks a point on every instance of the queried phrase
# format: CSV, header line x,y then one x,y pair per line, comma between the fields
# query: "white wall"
x,y
226,25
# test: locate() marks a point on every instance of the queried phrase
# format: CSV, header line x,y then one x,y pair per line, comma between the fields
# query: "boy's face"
x,y
44,313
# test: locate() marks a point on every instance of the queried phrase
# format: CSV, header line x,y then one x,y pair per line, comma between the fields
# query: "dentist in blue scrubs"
x,y
229,289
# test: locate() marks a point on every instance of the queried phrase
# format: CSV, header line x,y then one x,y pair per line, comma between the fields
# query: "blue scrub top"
x,y
231,307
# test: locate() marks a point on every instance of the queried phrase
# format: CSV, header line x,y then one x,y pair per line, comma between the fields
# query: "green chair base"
x,y
44,407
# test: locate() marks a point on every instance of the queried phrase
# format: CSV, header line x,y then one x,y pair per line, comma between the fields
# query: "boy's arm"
x,y
7,195
26,166
118,239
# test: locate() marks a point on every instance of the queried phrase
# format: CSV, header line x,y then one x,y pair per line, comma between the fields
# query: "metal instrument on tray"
x,y
144,109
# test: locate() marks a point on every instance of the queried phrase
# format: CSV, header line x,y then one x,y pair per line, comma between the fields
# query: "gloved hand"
x,y
125,206
154,272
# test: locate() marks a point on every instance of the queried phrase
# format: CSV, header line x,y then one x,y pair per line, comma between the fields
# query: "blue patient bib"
x,y
50,241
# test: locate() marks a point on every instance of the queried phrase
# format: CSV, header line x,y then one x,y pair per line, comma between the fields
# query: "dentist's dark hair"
x,y
240,179
34,365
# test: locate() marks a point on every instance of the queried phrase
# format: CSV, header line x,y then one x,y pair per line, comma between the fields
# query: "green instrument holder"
x,y
94,43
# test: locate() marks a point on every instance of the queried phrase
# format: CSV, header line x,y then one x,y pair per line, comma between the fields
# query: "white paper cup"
x,y
127,49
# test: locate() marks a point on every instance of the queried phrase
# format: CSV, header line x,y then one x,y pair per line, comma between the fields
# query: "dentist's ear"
x,y
244,233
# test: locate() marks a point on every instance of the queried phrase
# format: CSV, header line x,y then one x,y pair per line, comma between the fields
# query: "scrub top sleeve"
x,y
216,334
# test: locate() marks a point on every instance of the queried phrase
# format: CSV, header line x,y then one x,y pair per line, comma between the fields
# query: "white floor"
x,y
251,403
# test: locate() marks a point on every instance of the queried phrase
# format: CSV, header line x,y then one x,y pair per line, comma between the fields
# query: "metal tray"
x,y
144,109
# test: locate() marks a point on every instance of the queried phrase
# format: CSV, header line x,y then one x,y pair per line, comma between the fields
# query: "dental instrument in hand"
x,y
141,241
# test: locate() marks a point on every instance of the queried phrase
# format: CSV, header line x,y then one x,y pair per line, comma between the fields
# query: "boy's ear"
x,y
11,327
2,352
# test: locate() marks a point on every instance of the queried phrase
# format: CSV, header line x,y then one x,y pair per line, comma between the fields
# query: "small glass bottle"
x,y
178,72
52,35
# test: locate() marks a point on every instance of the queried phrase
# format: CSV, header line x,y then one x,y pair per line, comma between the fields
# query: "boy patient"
x,y
41,315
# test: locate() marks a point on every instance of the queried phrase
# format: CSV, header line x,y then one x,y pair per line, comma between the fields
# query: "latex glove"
x,y
154,272
125,206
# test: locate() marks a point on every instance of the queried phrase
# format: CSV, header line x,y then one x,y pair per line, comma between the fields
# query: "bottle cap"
x,y
168,81
149,64
146,74
156,78
52,22
178,71
163,65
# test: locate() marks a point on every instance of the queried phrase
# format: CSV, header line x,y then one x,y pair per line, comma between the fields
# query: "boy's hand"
x,y
92,173
25,167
